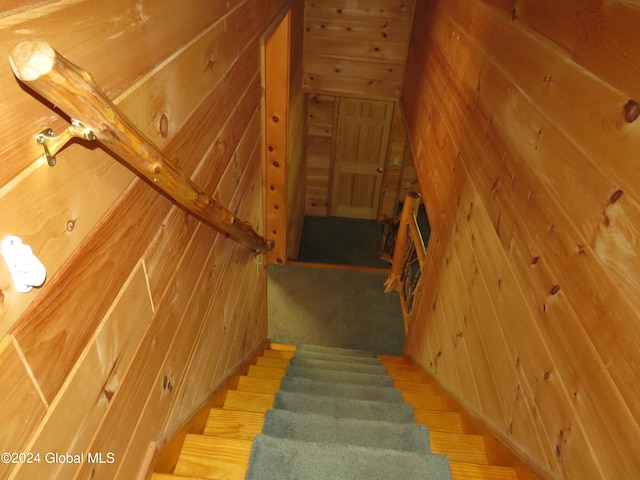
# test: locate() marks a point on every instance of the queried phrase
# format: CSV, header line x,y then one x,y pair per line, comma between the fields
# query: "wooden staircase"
x,y
221,452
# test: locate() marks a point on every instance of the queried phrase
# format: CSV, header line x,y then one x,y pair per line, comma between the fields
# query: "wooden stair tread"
x,y
222,451
426,402
283,354
214,457
248,401
391,359
471,471
440,421
459,447
419,388
272,362
258,384
169,476
408,375
266,372
233,424
282,347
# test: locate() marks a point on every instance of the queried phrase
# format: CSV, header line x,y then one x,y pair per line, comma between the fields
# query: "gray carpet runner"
x,y
338,416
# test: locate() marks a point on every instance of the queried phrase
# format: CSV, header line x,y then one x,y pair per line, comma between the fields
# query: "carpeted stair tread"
x,y
339,376
339,366
273,457
343,407
336,350
365,433
334,357
344,390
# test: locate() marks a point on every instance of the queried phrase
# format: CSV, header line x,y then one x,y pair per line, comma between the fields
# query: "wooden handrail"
x,y
409,246
75,92
407,226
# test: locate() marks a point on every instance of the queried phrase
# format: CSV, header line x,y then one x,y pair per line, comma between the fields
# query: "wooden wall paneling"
x,y
393,166
179,367
322,110
503,226
78,409
559,337
598,37
519,421
118,24
85,199
487,345
355,50
175,369
245,177
22,410
77,185
78,332
600,134
128,404
76,190
50,342
351,76
296,165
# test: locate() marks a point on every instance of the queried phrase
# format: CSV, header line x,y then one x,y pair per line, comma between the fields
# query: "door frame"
x,y
275,75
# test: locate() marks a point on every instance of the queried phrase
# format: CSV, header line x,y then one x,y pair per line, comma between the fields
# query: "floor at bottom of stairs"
x,y
222,451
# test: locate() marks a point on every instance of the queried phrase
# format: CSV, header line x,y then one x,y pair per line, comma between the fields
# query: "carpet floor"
x,y
333,307
341,241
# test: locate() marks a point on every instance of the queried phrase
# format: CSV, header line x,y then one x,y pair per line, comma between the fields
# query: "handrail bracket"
x,y
51,144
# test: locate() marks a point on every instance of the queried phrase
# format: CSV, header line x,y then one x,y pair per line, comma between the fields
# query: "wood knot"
x,y
163,126
631,110
616,196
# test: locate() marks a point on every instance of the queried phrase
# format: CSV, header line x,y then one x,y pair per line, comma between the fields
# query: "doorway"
x,y
362,139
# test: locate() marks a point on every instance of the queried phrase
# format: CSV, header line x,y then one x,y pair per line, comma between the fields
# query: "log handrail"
x,y
74,91
408,240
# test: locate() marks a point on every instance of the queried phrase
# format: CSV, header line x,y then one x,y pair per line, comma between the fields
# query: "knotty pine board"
x,y
240,74
78,30
546,307
392,182
556,311
77,410
76,185
583,30
601,139
356,50
90,278
24,396
322,110
504,227
194,354
128,406
296,164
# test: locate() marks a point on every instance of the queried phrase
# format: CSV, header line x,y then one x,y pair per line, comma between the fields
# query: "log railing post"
x,y
74,91
409,211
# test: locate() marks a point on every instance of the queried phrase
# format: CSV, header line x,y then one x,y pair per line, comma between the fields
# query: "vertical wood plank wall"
x,y
351,49
522,123
145,311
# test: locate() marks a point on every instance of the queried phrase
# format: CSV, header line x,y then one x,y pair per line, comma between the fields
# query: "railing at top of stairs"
x,y
408,256
74,91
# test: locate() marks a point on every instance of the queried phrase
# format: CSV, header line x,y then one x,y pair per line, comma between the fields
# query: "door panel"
x,y
362,139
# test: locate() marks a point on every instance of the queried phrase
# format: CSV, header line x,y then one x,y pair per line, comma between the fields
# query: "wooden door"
x,y
362,138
